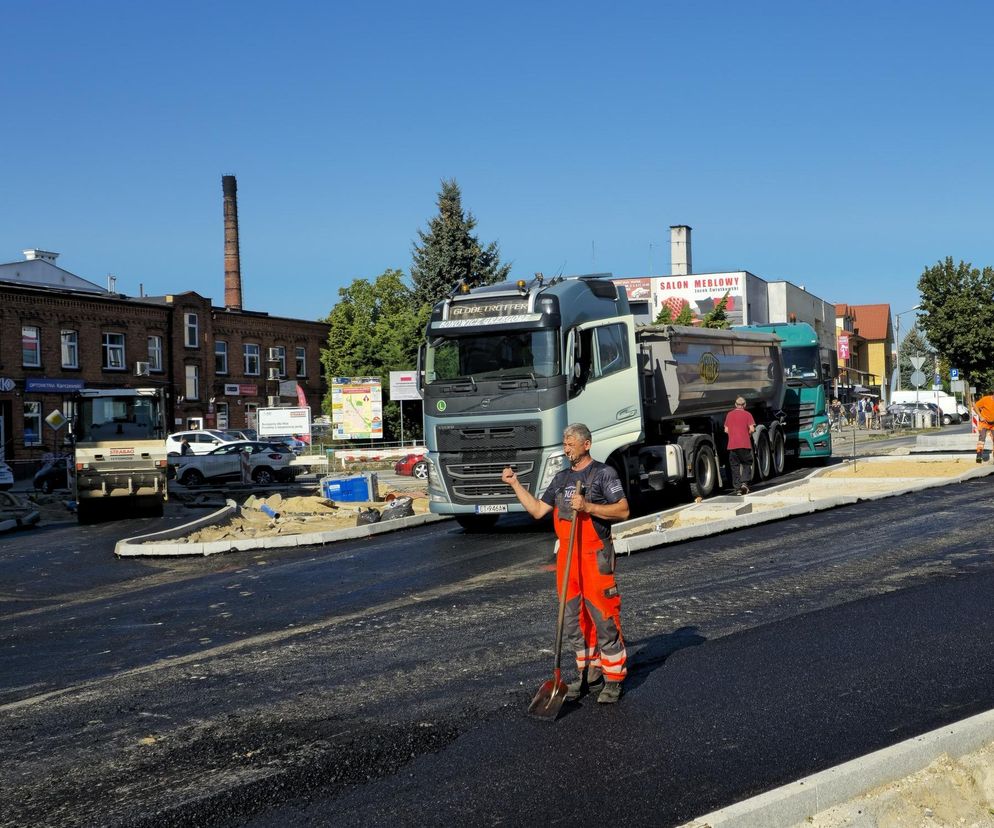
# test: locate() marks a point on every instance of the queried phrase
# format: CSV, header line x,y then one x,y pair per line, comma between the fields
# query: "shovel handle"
x,y
562,591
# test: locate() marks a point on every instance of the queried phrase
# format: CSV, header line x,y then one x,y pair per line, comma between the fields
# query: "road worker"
x,y
593,603
984,408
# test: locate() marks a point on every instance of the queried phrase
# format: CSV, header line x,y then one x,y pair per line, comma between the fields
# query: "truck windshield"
x,y
489,355
802,365
116,419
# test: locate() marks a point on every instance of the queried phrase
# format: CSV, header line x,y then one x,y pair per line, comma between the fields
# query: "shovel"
x,y
549,699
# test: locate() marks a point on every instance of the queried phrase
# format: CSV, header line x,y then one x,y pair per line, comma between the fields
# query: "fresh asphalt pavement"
x,y
385,680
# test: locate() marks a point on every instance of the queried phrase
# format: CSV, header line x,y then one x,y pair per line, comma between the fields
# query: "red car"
x,y
413,465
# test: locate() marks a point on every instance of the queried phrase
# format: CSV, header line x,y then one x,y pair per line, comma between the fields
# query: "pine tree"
x,y
685,317
717,317
449,252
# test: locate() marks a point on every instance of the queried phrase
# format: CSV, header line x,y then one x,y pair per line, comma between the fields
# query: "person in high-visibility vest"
x,y
984,408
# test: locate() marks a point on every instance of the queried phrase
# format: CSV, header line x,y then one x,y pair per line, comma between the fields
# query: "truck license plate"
x,y
491,508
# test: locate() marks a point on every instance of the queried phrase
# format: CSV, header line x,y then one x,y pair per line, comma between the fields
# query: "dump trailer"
x,y
808,372
506,367
120,464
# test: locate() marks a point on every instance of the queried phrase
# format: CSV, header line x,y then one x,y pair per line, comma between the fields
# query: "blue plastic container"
x,y
345,488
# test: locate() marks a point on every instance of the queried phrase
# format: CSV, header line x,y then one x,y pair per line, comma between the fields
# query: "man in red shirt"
x,y
739,426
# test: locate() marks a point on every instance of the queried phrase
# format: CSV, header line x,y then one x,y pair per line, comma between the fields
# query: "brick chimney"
x,y
232,262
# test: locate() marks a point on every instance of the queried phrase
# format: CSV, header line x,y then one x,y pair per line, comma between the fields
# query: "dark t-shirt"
x,y
603,486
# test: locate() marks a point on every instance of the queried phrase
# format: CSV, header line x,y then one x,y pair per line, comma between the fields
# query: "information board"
x,y
357,408
273,422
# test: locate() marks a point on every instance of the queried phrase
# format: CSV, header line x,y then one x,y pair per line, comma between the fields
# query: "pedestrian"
x,y
984,408
593,604
861,413
876,414
184,446
740,426
836,409
852,414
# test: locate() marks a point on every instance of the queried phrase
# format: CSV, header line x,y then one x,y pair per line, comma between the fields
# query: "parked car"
x,y
904,413
242,433
6,477
414,465
53,475
268,464
201,441
292,443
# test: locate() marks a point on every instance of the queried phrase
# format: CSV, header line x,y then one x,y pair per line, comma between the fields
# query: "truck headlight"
x,y
820,430
555,464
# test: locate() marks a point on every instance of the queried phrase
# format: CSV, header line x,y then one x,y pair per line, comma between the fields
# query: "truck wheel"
x,y
764,460
704,472
192,478
778,452
477,523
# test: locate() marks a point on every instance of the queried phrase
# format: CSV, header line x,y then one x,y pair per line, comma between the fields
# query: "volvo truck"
x,y
506,367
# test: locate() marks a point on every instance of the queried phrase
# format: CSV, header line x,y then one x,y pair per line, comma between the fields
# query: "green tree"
x,y
449,252
717,317
377,328
665,315
958,318
914,344
685,317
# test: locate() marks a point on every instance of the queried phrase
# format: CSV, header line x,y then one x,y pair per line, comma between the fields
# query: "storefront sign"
x,y
43,385
232,389
638,290
700,294
6,384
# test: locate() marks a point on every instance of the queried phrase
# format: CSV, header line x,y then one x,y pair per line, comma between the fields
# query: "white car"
x,y
6,477
268,464
201,441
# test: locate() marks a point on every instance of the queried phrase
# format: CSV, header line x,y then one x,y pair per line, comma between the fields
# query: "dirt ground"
x,y
297,515
904,468
949,792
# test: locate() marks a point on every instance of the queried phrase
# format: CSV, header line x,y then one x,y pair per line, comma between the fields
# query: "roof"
x,y
872,322
39,273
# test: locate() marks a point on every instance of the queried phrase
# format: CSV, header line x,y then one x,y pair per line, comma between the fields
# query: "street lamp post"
x,y
896,376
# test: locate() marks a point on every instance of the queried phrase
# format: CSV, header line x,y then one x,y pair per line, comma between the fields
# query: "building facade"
x,y
60,333
865,345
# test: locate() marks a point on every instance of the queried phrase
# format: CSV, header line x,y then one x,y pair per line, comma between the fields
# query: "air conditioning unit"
x,y
274,373
273,354
273,402
141,369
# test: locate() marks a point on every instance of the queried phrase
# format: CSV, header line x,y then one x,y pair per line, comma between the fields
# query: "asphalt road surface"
x,y
385,681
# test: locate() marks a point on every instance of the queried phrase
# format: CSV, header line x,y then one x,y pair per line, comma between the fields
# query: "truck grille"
x,y
475,477
493,439
800,418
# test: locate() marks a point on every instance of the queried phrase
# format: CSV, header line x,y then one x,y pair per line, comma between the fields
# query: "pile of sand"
x,y
296,516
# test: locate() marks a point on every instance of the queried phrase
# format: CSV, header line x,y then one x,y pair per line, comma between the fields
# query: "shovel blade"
x,y
548,700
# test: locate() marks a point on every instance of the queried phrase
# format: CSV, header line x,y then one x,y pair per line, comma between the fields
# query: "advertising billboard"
x,y
273,422
843,346
701,293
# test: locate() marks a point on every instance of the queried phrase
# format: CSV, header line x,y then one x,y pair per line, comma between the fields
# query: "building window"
x,y
220,357
252,360
113,350
70,349
30,346
222,416
32,423
193,382
301,361
155,353
280,353
192,329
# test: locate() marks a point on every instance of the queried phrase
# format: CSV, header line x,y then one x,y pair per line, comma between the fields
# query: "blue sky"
x,y
842,146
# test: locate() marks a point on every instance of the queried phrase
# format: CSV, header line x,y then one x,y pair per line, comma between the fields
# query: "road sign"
x,y
56,419
918,379
954,373
918,362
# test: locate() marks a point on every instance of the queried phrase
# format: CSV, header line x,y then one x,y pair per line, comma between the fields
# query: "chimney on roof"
x,y
44,255
232,261
680,261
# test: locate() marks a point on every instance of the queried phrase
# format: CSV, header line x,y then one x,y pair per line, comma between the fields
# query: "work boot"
x,y
611,693
980,457
591,680
743,489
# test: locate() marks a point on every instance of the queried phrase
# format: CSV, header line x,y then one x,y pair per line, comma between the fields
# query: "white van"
x,y
947,404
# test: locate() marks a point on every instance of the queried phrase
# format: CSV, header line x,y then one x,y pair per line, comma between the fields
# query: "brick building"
x,y
59,332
